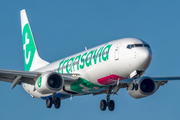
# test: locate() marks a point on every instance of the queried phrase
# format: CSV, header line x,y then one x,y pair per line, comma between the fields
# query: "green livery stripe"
x,y
82,86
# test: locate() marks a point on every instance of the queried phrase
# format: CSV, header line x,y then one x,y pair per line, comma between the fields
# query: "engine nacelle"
x,y
49,82
146,86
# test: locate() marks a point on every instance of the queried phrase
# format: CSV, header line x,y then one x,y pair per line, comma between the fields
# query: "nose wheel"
x,y
107,103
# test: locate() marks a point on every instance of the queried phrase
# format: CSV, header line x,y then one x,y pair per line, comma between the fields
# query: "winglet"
x,y
32,60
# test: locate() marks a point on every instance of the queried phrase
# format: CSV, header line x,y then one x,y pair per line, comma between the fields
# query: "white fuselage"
x,y
114,61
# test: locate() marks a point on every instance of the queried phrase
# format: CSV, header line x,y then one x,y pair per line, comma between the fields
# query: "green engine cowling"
x,y
49,82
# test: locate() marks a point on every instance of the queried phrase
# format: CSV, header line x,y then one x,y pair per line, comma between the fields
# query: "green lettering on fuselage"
x,y
106,52
100,53
78,57
60,67
69,65
65,62
82,61
96,55
85,60
88,58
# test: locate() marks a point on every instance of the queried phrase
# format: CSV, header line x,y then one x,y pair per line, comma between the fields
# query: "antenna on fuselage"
x,y
85,48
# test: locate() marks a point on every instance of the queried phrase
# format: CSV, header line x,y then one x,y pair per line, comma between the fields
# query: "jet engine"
x,y
49,82
143,87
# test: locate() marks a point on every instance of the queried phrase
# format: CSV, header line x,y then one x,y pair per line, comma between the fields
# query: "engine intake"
x,y
54,81
146,87
49,82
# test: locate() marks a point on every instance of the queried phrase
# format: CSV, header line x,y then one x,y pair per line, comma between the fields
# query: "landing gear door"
x,y
116,52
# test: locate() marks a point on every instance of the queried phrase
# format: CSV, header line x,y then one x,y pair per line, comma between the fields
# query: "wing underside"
x,y
17,77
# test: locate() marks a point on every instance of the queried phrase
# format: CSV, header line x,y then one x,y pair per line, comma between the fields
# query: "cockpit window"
x,y
138,45
130,46
146,45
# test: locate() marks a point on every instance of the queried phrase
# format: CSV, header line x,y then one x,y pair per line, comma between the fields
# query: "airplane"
x,y
100,70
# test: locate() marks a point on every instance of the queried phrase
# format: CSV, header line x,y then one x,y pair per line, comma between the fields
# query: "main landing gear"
x,y
55,100
107,103
110,104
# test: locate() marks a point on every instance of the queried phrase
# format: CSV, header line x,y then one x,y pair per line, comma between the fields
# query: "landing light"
x,y
74,75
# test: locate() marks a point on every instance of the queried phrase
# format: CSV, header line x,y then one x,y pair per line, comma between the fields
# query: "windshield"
x,y
130,46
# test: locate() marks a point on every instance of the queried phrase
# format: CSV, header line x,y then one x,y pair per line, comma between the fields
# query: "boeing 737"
x,y
100,70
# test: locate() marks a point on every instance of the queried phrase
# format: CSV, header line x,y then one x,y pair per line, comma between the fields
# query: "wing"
x,y
157,79
17,77
163,80
160,81
166,78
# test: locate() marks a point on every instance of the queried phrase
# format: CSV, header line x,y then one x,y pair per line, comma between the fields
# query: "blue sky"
x,y
62,28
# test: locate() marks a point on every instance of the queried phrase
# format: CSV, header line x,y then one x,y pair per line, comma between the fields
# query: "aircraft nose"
x,y
144,57
146,54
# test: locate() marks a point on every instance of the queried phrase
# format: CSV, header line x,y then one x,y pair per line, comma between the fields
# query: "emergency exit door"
x,y
117,50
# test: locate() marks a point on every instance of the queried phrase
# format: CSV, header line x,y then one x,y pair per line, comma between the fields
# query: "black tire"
x,y
136,86
49,102
57,103
111,105
103,105
132,86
